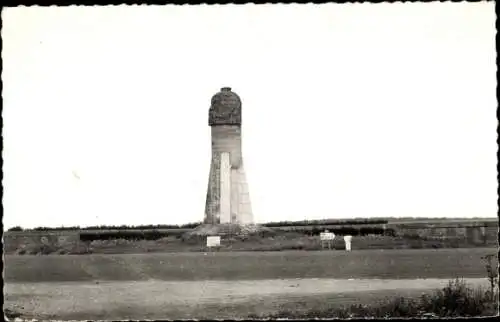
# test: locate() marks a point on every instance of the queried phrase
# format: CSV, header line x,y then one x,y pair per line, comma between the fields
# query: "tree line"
x,y
109,227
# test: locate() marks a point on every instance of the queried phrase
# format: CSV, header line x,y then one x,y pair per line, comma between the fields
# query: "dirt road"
x,y
196,299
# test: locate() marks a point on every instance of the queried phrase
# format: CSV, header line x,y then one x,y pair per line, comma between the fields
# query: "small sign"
x,y
213,241
327,236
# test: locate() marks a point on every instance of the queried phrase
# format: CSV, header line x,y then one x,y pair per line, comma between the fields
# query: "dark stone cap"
x,y
225,108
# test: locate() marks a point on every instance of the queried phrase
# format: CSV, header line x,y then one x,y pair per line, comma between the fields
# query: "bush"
x,y
492,275
121,227
325,222
36,250
78,250
20,251
454,300
124,234
16,228
46,250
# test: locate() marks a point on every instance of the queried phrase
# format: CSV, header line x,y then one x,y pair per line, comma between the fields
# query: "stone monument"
x,y
228,200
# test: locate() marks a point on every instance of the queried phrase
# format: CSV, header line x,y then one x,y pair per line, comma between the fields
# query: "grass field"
x,y
390,264
227,285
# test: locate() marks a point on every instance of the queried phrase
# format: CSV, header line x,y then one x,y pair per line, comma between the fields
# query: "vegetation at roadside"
x,y
457,299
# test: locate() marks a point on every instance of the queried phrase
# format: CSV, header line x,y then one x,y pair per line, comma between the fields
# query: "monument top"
x,y
225,108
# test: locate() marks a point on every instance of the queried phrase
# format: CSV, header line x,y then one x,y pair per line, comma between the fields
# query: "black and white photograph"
x,y
254,161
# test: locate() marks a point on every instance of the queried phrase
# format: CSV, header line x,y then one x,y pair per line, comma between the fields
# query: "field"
x,y
225,284
391,264
202,299
60,275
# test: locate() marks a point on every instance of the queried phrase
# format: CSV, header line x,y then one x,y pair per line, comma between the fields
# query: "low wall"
x,y
18,240
479,233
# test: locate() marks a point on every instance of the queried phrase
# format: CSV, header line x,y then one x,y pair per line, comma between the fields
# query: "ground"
x,y
225,285
201,299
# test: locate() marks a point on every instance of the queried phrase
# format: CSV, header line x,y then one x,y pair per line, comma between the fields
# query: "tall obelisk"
x,y
228,200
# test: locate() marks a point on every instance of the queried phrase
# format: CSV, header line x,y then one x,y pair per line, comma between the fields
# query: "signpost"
x,y
213,241
326,237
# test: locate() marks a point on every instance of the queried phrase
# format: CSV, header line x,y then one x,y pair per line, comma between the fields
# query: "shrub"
x,y
16,228
123,234
326,222
456,299
79,250
492,275
416,244
20,251
46,249
36,250
190,225
364,231
121,227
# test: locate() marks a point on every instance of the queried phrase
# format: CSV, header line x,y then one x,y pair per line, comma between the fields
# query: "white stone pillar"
x,y
225,188
347,240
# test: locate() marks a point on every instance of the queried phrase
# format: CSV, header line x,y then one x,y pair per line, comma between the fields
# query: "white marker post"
x,y
213,241
326,237
347,240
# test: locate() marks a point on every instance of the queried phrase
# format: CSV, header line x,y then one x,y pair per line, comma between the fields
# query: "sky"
x,y
349,110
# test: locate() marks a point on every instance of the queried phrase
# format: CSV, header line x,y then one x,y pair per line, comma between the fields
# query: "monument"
x,y
228,200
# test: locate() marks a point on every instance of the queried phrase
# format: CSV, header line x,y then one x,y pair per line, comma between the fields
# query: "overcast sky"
x,y
355,110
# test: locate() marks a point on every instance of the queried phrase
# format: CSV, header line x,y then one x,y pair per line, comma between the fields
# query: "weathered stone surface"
x,y
225,108
225,121
17,241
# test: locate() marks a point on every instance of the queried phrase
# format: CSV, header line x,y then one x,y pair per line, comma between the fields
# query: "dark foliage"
x,y
457,299
326,222
16,228
353,231
124,234
110,227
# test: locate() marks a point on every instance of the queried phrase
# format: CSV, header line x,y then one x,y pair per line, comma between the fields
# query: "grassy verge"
x,y
391,264
282,242
457,299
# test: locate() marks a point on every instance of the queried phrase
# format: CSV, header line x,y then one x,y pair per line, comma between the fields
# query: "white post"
x,y
347,240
